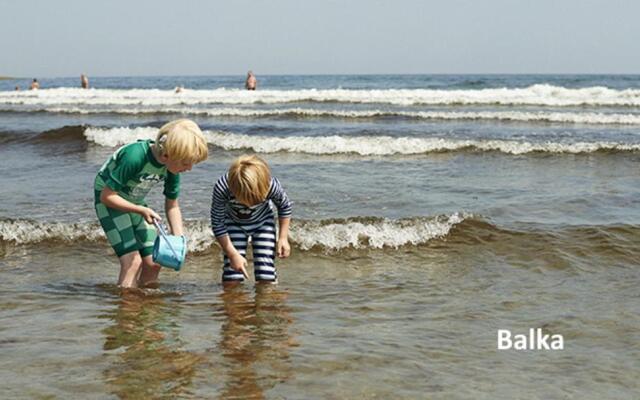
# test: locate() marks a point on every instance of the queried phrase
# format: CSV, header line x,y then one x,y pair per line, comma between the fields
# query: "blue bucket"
x,y
168,250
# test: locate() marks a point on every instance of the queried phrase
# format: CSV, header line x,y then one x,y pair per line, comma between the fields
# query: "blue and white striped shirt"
x,y
224,205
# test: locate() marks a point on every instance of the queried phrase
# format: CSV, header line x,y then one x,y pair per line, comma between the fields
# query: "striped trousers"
x,y
263,243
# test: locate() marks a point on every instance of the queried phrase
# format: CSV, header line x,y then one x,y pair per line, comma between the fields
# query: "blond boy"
x,y
241,209
123,183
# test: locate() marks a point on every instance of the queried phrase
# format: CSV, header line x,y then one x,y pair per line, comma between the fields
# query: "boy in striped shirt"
x,y
241,208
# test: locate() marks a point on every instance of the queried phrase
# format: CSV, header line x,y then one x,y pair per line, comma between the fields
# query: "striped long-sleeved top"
x,y
224,205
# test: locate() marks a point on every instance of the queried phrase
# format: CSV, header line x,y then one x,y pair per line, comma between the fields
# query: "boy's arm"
x,y
219,199
218,202
279,197
285,209
283,248
174,216
112,199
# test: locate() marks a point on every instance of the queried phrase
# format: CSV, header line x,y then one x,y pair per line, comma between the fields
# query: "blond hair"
x,y
182,140
249,179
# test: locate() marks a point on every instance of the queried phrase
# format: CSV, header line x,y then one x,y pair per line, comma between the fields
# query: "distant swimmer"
x,y
35,85
17,88
84,81
252,82
179,89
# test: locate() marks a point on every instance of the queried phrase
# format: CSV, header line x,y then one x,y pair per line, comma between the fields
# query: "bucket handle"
x,y
164,236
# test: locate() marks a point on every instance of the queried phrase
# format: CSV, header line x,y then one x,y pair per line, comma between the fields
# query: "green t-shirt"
x,y
133,170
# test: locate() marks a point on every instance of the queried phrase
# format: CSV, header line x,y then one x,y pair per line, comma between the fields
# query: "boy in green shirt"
x,y
122,184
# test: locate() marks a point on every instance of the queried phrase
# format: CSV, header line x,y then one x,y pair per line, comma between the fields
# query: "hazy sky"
x,y
160,37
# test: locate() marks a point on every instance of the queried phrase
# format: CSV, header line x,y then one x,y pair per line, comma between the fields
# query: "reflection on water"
x,y
144,340
146,357
255,341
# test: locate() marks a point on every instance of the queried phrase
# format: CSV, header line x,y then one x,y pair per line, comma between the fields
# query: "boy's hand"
x,y
284,250
149,215
239,263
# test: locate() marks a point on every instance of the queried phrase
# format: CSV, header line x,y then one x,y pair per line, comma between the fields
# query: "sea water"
x,y
431,211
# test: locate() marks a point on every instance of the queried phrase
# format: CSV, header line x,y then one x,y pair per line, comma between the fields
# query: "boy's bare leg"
x,y
150,272
129,270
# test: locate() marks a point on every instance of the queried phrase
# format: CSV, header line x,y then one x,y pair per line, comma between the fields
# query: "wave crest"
x,y
24,231
329,235
361,145
590,118
376,233
539,94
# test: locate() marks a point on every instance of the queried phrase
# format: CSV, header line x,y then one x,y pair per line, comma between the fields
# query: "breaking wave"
x,y
327,235
590,118
361,145
539,94
454,232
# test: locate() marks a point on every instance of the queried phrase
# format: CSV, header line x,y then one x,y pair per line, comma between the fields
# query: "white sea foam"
x,y
23,231
113,137
516,116
369,233
539,94
375,233
378,234
362,145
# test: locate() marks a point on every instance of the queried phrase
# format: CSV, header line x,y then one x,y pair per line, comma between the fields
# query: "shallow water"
x,y
449,208
401,324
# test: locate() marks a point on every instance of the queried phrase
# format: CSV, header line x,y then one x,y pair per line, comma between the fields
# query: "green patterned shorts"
x,y
126,231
